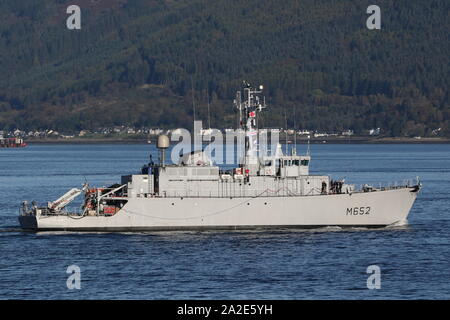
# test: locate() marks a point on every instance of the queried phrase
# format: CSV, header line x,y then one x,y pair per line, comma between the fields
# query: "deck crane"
x,y
67,198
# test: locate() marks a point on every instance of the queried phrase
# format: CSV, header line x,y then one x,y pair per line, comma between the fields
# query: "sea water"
x,y
325,263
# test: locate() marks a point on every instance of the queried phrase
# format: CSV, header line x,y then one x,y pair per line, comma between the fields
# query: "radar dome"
x,y
163,142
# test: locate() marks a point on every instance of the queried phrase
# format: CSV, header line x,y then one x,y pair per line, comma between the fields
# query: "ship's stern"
x,y
28,222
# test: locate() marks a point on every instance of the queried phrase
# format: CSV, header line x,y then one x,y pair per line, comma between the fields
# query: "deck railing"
x,y
283,191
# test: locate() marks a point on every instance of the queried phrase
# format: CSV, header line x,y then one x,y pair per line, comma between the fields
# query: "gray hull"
x,y
369,209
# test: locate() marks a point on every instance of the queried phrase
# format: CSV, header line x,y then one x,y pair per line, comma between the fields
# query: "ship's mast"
x,y
248,110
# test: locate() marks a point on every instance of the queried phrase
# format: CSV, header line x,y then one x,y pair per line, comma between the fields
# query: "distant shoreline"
x,y
324,140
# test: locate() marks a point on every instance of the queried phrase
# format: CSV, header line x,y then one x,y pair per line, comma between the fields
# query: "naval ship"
x,y
262,191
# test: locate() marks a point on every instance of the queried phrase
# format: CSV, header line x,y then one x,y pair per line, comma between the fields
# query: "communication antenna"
x,y
294,151
238,105
285,131
308,152
209,117
193,101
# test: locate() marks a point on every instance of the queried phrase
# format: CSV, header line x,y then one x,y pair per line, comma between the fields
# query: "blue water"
x,y
328,263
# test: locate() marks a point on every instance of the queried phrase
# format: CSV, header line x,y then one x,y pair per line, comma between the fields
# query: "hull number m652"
x,y
358,211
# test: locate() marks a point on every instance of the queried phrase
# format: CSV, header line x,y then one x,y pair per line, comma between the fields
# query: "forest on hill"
x,y
144,63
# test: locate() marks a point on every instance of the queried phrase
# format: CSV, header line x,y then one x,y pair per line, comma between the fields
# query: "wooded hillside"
x,y
135,62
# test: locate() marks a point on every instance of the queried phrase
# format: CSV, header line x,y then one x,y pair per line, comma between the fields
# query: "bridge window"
x,y
305,162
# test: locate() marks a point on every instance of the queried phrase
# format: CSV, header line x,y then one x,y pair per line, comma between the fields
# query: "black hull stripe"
x,y
201,228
